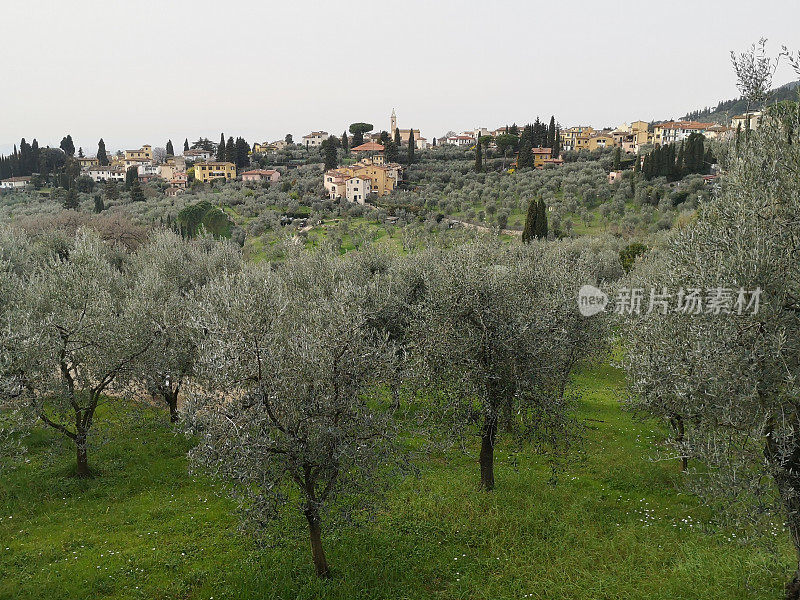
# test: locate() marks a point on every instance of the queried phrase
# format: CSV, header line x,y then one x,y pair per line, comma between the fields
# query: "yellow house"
x,y
600,140
145,152
86,162
540,156
379,179
208,171
576,138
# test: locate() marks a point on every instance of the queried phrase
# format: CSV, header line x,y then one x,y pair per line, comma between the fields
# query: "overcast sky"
x,y
147,71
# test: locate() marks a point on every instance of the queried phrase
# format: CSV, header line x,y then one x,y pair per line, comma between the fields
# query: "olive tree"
x,y
289,412
76,339
497,338
166,274
734,365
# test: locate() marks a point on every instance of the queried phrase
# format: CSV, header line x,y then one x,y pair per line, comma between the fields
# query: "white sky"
x,y
146,71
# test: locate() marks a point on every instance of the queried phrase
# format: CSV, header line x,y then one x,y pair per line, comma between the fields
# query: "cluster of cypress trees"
x,y
24,161
537,135
237,152
536,221
674,162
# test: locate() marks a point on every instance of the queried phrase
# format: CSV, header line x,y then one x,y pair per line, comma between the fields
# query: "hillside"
x,y
613,526
728,108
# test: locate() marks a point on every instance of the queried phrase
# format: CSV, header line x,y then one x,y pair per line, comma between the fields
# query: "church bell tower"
x,y
393,123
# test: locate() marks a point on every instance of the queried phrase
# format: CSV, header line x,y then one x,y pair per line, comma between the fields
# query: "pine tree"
x,y
71,200
221,154
102,155
170,149
185,144
67,146
411,146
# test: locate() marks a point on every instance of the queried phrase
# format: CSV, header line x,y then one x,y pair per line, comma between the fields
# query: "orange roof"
x,y
368,147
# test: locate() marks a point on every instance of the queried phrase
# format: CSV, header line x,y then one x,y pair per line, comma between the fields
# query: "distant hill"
x,y
726,109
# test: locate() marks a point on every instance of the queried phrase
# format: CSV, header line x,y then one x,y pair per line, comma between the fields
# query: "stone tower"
x,y
393,123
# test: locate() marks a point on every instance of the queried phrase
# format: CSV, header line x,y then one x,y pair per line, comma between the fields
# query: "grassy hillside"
x,y
614,526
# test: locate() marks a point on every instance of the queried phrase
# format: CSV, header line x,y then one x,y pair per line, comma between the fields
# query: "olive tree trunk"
x,y
315,535
488,437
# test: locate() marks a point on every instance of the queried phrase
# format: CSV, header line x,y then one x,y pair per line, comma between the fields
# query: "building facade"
x,y
208,171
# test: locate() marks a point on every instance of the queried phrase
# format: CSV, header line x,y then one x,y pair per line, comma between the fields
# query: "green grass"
x,y
614,526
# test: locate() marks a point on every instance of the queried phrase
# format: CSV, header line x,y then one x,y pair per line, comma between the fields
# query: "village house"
x,y
753,118
601,139
208,171
261,175
460,140
171,192
675,131
179,180
198,154
15,183
136,162
368,176
315,138
85,162
106,173
149,170
576,138
145,152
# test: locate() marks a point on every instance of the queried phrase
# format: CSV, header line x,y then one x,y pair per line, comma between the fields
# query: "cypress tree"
x,y
110,190
331,155
71,200
131,177
221,154
230,150
531,222
397,139
617,158
170,149
541,220
478,157
551,132
525,156
137,195
345,143
411,146
185,144
99,206
102,156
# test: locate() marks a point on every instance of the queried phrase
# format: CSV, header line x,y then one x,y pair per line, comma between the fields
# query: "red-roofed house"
x,y
261,175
